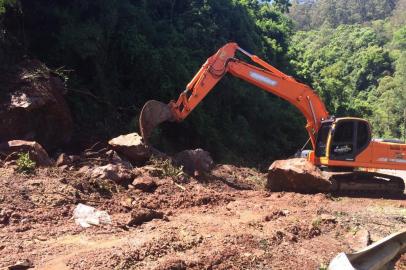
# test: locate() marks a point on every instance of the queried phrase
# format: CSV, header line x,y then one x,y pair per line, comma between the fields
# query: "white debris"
x,y
86,216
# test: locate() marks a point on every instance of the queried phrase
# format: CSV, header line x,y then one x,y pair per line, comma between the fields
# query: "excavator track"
x,y
367,182
300,175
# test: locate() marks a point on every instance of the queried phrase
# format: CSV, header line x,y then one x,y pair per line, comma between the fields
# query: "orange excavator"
x,y
342,144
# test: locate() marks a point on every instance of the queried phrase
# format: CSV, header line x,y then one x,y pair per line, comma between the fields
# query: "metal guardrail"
x,y
378,256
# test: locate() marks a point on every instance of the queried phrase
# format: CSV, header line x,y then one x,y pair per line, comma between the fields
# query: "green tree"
x,y
399,38
282,5
10,47
389,99
343,65
357,70
389,104
125,52
398,16
4,4
310,14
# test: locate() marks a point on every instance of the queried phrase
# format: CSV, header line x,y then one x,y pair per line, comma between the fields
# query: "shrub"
x,y
166,168
24,163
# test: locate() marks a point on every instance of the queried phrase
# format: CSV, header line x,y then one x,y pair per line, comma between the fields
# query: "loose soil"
x,y
225,220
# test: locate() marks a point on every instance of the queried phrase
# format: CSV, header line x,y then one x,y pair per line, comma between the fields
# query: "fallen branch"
x,y
92,147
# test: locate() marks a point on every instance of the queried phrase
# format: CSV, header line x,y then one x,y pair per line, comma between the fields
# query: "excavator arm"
x,y
213,70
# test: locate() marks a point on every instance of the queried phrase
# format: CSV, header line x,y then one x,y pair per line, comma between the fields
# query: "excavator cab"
x,y
345,146
342,139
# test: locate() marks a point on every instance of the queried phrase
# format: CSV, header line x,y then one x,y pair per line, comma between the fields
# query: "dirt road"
x,y
225,221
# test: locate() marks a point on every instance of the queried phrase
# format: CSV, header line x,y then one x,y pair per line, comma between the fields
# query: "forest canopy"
x,y
114,55
358,69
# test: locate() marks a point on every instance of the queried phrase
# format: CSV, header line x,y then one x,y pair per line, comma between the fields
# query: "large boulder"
x,y
132,147
36,151
194,161
32,106
298,175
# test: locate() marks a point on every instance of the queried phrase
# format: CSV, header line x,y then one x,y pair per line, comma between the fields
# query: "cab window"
x,y
321,141
342,146
363,136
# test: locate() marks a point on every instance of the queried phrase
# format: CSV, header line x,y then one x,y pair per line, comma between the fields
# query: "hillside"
x,y
115,55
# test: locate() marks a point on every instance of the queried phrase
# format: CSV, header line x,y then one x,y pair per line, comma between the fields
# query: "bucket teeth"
x,y
152,114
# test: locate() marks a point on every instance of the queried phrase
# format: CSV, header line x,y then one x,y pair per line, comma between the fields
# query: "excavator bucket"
x,y
152,114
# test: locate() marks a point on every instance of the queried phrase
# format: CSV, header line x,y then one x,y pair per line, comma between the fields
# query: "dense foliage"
x,y
358,69
117,54
343,64
4,4
309,14
389,99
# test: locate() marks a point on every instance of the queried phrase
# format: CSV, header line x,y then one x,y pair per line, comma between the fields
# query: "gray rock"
x,y
131,147
115,172
195,161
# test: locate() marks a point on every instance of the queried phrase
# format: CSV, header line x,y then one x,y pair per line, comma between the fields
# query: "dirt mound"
x,y
32,107
298,175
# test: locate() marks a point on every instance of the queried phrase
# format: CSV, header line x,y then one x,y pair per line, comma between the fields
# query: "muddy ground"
x,y
225,220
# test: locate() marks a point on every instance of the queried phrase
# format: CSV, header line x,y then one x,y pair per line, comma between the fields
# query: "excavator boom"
x,y
213,70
